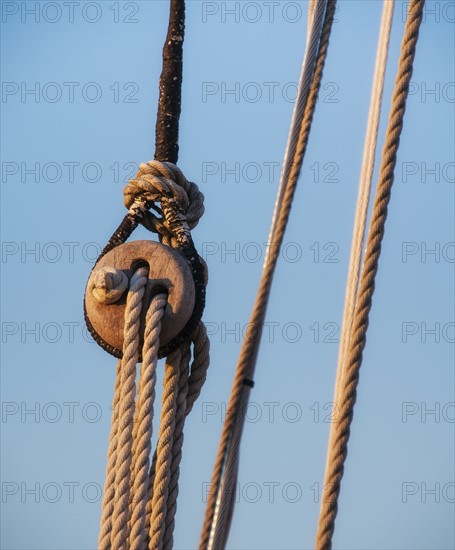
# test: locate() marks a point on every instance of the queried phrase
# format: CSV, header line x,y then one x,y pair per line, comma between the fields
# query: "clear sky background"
x,y
95,68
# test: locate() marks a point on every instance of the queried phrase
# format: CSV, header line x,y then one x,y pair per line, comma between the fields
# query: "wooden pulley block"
x,y
168,271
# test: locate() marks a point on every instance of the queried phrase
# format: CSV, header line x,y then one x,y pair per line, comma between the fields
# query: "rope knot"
x,y
182,204
109,284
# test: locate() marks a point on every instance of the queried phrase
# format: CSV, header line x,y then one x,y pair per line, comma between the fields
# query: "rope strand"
x,y
119,535
366,177
138,510
109,485
197,377
164,450
143,420
177,444
348,390
248,356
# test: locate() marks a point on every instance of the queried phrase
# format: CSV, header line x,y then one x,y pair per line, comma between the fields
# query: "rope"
x,y
119,535
143,427
128,447
153,494
164,450
182,205
347,393
196,379
180,199
230,440
139,505
199,366
316,10
177,444
189,389
366,176
109,486
109,284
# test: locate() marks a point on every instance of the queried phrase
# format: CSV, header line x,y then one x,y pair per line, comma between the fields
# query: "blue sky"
x,y
79,96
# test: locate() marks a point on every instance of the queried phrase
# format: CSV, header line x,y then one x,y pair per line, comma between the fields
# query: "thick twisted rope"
x,y
196,379
177,444
248,356
104,539
225,505
129,519
190,385
347,394
184,387
143,426
119,534
199,366
164,450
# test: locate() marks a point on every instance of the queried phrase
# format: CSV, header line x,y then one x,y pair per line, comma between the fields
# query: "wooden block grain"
x,y
168,269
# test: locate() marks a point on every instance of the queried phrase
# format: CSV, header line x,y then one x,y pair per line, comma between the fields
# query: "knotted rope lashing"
x,y
182,204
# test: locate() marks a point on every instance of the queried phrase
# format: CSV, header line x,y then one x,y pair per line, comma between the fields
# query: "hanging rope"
x,y
196,379
176,451
116,503
221,499
119,536
164,450
347,394
143,427
104,539
131,489
189,390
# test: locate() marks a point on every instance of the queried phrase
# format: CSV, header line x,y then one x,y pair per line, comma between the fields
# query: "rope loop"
x,y
182,203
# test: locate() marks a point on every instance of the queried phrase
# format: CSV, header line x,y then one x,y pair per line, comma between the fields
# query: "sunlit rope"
x,y
340,432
